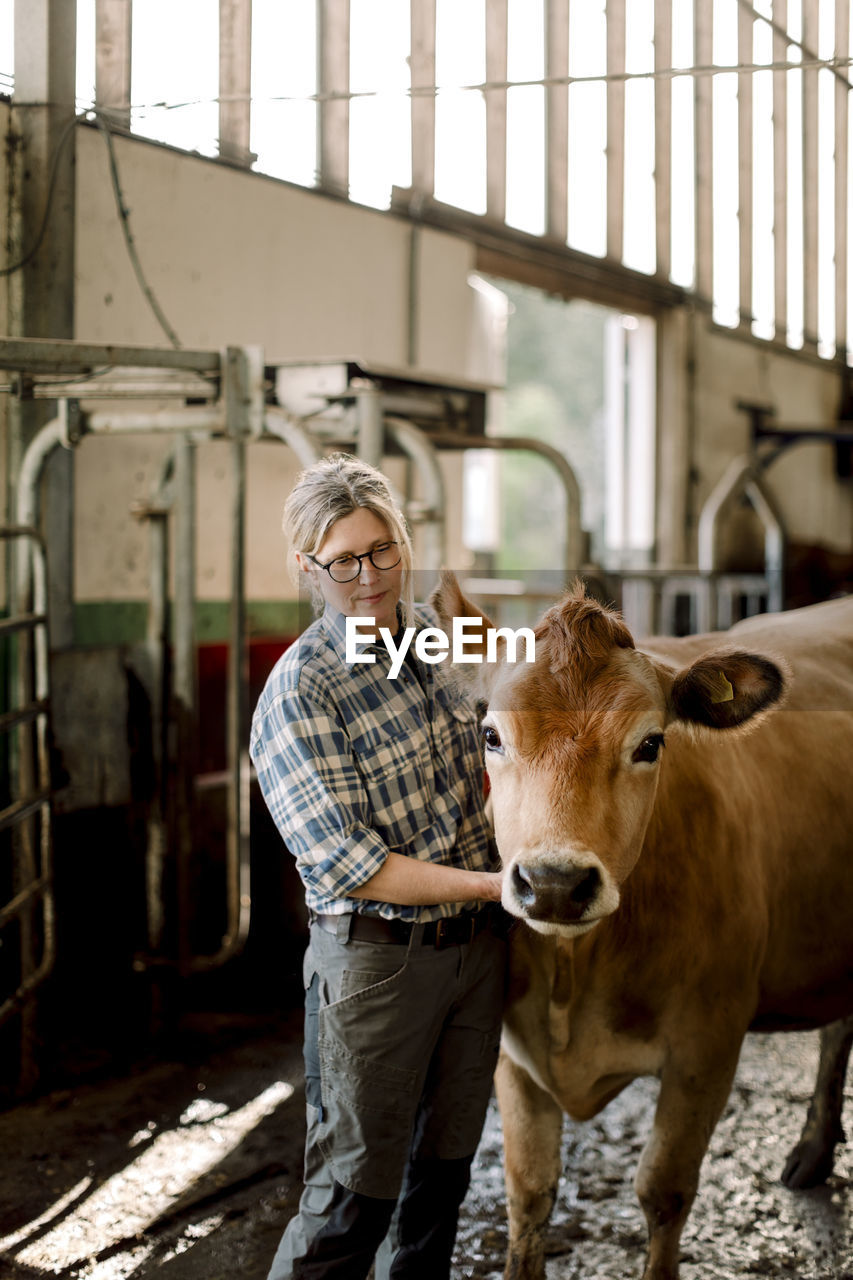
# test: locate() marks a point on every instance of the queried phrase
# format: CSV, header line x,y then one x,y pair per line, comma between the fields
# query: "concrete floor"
x,y
190,1168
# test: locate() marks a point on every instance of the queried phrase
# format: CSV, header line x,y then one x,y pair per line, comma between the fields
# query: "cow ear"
x,y
727,688
449,602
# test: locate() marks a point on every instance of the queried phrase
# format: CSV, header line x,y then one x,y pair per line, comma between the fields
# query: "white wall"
x,y
235,258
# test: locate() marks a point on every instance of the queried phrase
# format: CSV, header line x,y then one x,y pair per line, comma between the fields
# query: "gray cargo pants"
x,y
401,1042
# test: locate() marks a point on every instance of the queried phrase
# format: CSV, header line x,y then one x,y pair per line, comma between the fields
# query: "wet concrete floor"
x,y
189,1169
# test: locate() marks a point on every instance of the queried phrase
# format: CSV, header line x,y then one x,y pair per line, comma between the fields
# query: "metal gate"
x,y
27,935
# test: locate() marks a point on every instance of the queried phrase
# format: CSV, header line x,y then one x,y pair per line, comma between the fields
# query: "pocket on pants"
x,y
369,1089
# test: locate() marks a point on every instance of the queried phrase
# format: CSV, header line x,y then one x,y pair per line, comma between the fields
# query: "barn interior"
x,y
575,273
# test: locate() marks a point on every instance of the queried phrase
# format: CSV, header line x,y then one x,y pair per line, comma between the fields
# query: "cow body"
x,y
676,836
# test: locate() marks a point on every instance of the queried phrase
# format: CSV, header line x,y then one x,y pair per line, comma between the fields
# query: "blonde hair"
x,y
327,491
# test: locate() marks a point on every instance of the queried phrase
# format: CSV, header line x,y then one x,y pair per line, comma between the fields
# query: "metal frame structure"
x,y
25,821
232,394
371,411
233,382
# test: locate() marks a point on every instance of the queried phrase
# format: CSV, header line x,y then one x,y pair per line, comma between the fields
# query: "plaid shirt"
x,y
353,764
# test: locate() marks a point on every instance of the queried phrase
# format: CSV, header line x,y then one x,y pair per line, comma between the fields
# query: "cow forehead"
x,y
590,707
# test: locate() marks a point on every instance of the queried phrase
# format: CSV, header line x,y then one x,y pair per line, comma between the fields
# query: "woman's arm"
x,y
317,798
411,883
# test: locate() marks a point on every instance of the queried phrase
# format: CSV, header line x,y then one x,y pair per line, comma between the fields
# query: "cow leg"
x,y
810,1162
689,1106
532,1126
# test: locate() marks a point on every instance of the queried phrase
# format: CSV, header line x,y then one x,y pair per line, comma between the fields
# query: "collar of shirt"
x,y
334,624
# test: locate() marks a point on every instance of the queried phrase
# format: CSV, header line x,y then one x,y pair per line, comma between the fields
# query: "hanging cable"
x,y
124,218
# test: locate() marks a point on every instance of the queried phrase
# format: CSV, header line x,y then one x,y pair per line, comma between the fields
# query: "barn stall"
x,y
187,324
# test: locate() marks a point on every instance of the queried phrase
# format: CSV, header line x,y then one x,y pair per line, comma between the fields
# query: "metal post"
x,y
184,686
431,510
42,218
238,850
238,890
371,432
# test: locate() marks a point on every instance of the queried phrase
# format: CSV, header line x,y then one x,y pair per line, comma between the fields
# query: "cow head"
x,y
573,746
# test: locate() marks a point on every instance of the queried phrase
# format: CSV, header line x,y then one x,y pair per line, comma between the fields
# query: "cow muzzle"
x,y
573,894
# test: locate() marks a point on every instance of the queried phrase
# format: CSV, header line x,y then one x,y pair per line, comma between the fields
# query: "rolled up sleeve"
x,y
315,794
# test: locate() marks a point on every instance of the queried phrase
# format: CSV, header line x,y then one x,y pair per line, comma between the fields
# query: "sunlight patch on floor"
x,y
123,1207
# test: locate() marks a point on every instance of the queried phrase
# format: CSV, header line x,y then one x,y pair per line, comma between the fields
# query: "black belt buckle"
x,y
453,931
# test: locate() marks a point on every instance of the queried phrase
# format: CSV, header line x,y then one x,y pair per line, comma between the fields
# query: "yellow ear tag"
x,y
723,691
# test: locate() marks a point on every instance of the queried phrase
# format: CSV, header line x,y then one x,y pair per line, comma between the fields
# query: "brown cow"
x,y
682,879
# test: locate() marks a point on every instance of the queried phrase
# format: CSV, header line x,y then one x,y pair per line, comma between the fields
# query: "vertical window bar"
x,y
703,44
745,126
811,176
663,139
780,171
763,204
423,96
557,118
842,108
113,24
333,18
496,60
235,80
615,128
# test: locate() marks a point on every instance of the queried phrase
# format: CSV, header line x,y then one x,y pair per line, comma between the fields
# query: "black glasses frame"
x,y
365,555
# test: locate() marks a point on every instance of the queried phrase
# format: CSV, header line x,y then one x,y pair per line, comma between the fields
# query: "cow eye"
x,y
649,749
492,738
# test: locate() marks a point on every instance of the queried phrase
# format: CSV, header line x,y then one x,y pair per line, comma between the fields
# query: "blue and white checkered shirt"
x,y
353,764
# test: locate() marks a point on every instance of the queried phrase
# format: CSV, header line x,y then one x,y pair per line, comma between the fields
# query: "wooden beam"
x,y
333,41
554,267
745,163
113,26
235,80
704,126
496,60
663,139
615,13
557,119
780,173
811,179
422,69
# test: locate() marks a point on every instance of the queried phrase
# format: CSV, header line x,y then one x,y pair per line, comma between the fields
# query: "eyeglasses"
x,y
345,568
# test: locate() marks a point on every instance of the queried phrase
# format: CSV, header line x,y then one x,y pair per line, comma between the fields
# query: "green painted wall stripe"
x,y
117,622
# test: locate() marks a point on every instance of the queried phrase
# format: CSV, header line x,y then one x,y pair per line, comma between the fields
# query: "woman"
x,y
376,785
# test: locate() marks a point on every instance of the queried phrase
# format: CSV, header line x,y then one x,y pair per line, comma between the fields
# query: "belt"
x,y
452,931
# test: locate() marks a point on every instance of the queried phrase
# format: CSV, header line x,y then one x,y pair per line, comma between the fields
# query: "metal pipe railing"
x,y
33,872
431,511
238,886
189,423
156,511
280,424
743,476
575,551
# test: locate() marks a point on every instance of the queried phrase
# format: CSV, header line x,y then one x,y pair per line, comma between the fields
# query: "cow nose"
x,y
554,893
